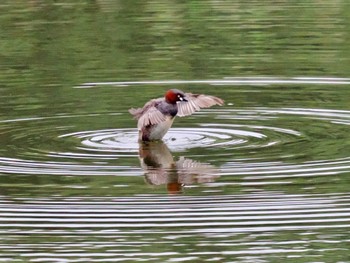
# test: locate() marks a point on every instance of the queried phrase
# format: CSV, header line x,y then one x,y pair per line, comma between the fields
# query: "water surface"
x,y
264,178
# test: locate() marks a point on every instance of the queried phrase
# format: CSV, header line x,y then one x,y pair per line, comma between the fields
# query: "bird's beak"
x,y
183,99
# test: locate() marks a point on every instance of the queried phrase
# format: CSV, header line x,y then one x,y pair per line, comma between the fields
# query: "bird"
x,y
156,117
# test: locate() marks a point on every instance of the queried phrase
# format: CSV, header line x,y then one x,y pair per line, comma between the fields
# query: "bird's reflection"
x,y
162,169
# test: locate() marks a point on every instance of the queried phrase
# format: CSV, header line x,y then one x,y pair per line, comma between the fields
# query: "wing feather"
x,y
150,117
149,114
195,102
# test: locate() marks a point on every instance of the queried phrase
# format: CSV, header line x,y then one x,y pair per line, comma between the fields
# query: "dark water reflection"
x,y
160,168
264,178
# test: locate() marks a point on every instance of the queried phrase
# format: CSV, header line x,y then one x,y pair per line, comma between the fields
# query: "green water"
x,y
264,178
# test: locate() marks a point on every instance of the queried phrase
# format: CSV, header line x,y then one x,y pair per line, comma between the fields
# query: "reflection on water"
x,y
161,169
229,81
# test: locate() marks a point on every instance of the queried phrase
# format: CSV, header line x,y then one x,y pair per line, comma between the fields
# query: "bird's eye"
x,y
180,97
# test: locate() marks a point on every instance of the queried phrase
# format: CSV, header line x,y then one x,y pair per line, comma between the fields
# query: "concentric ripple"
x,y
250,138
126,140
257,184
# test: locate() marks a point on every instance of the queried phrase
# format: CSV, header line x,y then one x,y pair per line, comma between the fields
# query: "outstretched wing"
x,y
195,102
149,114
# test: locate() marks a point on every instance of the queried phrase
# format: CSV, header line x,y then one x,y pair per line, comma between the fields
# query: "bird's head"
x,y
174,95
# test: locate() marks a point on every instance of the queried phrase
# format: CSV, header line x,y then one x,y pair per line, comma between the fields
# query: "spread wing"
x,y
195,102
149,114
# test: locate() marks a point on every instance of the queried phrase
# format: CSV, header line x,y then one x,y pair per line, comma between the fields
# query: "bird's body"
x,y
157,116
156,131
